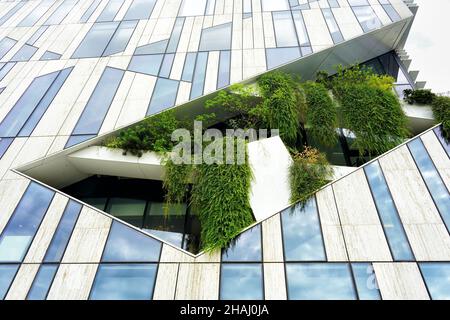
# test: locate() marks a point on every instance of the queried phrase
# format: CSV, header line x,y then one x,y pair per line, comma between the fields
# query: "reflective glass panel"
x,y
284,29
7,274
23,224
25,53
332,26
393,15
61,12
241,281
96,40
301,28
279,56
189,65
246,247
444,141
124,282
6,44
38,11
42,282
11,12
365,281
63,232
224,69
140,9
398,242
88,13
148,64
198,81
367,18
302,234
164,95
319,281
120,39
110,11
432,179
216,38
128,245
437,279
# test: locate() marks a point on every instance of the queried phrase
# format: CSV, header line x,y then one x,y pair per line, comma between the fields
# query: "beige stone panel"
x,y
400,281
274,281
22,282
198,281
166,281
272,240
72,282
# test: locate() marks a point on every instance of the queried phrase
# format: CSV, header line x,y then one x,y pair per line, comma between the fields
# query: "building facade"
x,y
74,72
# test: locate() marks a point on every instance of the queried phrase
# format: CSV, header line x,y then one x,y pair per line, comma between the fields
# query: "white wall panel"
x,y
274,281
198,281
22,282
272,239
319,35
166,281
72,282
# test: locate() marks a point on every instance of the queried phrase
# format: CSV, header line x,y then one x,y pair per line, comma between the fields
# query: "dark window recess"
x,y
140,203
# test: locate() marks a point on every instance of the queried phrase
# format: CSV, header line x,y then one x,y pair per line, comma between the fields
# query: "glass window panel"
x,y
22,226
35,37
302,234
164,95
98,105
365,281
37,13
110,11
246,247
319,281
7,274
121,38
444,141
241,281
432,179
128,210
11,12
124,282
224,69
127,245
198,81
6,69
166,66
216,38
88,13
42,282
48,55
74,140
24,107
332,26
6,44
333,3
148,64
192,8
169,226
189,66
176,34
284,29
25,53
45,102
393,15
367,18
96,40
275,5
140,9
393,228
279,56
61,12
437,279
63,232
4,144
152,48
301,28
98,203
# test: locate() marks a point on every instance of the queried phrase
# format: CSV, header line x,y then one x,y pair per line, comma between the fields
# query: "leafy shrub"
x,y
375,117
176,181
281,100
321,114
420,96
309,172
220,195
151,134
441,111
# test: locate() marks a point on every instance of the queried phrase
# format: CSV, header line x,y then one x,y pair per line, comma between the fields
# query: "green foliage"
x,y
323,78
420,96
441,111
220,195
309,172
176,182
153,134
375,117
281,96
322,114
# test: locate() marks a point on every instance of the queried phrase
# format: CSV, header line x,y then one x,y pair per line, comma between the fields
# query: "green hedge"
x,y
151,134
441,111
420,96
220,196
375,117
321,114
308,172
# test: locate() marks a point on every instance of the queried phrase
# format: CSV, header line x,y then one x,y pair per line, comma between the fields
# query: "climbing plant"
x,y
441,111
321,114
308,172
